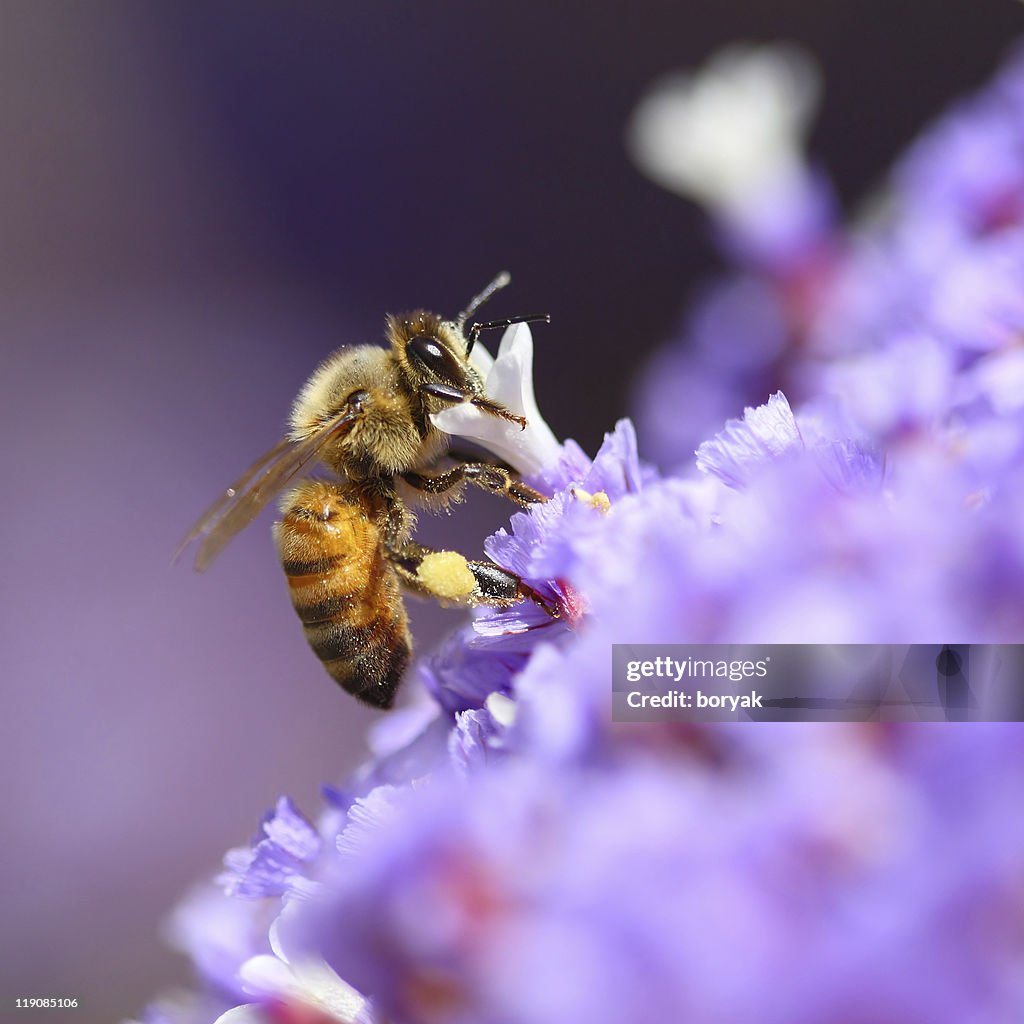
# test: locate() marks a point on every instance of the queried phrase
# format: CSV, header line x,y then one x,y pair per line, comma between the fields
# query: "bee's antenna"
x,y
478,300
529,318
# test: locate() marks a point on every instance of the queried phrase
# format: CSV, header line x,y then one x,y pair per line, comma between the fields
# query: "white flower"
x,y
503,709
247,1013
508,380
731,131
297,978
1000,378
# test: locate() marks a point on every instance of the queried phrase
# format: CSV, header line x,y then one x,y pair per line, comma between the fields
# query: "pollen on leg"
x,y
447,574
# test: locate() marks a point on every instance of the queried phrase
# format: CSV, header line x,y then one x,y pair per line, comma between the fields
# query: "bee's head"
x,y
432,354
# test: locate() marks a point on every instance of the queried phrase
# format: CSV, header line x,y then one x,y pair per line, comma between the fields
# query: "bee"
x,y
346,543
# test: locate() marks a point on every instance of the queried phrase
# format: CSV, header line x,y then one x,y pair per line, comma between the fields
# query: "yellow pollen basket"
x,y
447,574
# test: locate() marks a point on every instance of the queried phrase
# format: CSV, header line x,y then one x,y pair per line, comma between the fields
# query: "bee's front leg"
x,y
449,393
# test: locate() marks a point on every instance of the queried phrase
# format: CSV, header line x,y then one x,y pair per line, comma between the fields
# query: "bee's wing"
x,y
259,484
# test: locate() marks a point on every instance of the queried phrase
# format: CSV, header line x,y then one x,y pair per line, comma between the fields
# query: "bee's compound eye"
x,y
431,355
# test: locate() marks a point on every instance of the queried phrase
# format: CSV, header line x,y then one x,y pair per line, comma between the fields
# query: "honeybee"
x,y
345,544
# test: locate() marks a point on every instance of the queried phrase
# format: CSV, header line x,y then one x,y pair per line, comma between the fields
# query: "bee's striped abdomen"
x,y
344,589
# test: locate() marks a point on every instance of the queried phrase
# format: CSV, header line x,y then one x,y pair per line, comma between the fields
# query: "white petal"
x,y
510,382
265,975
308,980
247,1013
1001,378
322,987
481,359
502,708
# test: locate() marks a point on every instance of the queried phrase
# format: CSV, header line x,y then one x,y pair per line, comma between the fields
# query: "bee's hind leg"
x,y
452,578
447,575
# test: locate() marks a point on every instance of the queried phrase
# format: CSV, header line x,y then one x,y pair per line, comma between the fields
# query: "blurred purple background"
x,y
197,203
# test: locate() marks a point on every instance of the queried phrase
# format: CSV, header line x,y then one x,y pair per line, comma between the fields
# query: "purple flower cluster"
x,y
837,881
510,856
912,316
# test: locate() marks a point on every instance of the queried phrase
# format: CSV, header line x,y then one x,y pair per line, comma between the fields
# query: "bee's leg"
x,y
450,393
479,474
449,576
453,453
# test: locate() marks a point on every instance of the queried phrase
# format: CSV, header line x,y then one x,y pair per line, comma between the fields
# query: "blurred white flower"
x,y
730,131
295,977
